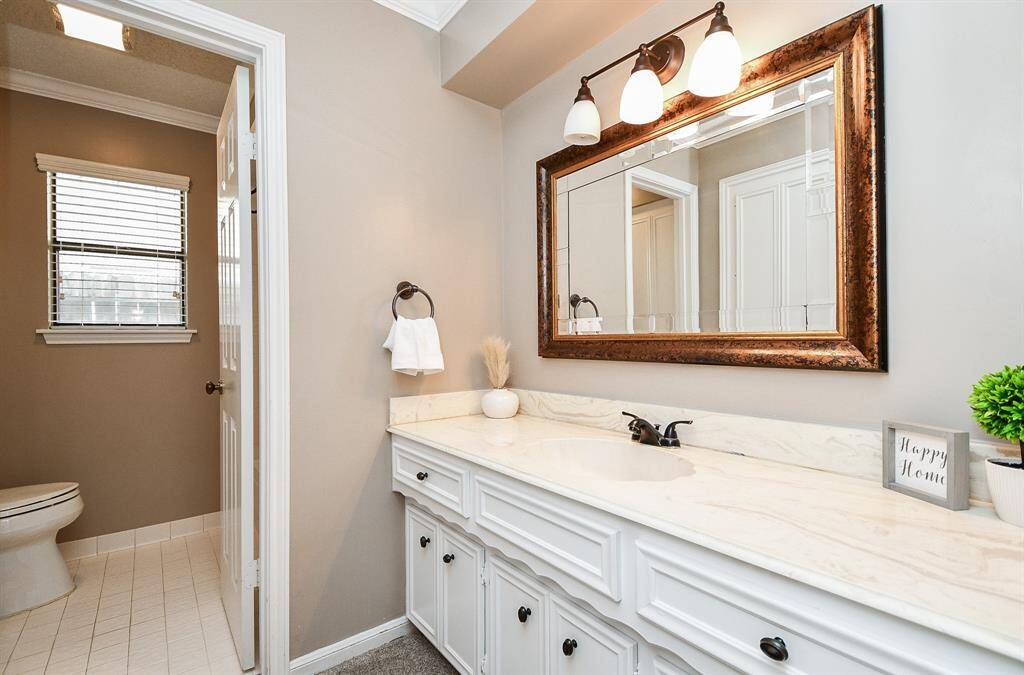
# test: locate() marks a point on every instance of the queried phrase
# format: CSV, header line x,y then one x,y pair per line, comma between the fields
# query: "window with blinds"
x,y
117,252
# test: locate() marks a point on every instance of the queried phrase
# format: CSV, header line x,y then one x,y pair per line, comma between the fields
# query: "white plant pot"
x,y
500,403
1006,485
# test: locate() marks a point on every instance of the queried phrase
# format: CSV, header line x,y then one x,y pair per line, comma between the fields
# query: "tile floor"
x,y
152,609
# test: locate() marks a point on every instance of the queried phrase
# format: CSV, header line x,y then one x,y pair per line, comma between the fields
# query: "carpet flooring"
x,y
407,655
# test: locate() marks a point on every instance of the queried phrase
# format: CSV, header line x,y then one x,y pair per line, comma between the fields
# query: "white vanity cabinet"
x,y
444,590
579,644
510,577
516,615
421,571
462,600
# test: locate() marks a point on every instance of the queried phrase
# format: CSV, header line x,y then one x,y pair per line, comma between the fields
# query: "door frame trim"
x,y
207,28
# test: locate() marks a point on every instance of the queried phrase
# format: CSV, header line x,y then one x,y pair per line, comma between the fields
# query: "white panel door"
x,y
234,275
516,622
581,644
462,601
421,568
778,247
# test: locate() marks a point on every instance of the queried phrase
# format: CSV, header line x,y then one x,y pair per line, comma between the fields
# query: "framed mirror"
x,y
739,230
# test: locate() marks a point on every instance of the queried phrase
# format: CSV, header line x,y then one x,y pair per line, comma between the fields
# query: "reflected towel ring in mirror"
x,y
406,290
575,300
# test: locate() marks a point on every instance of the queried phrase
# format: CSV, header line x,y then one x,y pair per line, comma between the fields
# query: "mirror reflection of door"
x,y
663,252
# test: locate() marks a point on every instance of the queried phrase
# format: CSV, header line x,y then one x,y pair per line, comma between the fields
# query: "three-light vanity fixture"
x,y
715,72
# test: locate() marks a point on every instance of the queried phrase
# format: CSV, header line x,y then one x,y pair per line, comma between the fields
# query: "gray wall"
x,y
953,96
390,177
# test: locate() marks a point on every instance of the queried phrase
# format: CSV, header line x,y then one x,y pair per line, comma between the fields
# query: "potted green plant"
x,y
998,405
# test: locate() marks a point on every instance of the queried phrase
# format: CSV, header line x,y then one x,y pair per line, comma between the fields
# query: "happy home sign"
x,y
921,462
925,462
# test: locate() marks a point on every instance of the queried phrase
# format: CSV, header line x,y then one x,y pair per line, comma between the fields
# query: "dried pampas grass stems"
x,y
496,359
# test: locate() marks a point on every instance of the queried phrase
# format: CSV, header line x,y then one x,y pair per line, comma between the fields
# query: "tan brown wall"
x,y
390,177
130,423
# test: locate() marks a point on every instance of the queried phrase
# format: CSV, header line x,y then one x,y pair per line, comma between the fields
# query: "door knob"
x,y
422,475
424,541
524,614
447,558
774,648
217,386
569,646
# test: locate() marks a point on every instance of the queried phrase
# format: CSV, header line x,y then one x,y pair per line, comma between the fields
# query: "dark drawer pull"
x,y
569,646
447,558
774,648
422,475
424,541
524,614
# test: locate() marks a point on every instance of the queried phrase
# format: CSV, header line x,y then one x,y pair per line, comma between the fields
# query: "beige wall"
x,y
955,234
390,177
130,423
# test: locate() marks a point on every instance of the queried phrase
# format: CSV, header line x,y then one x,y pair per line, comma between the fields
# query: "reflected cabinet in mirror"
x,y
740,230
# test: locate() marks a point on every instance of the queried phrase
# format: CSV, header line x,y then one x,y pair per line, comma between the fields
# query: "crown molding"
x,y
51,87
413,10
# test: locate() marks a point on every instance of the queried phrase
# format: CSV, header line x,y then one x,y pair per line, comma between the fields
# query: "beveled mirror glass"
x,y
725,225
740,230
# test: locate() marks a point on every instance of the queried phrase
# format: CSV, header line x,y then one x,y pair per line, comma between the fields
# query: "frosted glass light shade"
x,y
583,124
716,65
643,99
91,27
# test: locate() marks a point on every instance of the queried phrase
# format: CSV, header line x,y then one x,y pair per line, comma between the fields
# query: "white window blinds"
x,y
117,246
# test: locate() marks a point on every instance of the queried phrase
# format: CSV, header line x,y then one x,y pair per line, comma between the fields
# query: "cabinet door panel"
x,y
596,648
515,645
461,600
421,563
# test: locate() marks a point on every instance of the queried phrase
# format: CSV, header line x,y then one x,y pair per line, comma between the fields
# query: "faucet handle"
x,y
670,430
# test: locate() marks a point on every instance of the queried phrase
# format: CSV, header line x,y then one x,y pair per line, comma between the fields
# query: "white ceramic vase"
x,y
500,403
1006,485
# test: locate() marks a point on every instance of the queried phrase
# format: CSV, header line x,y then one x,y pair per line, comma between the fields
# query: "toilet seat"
x,y
28,498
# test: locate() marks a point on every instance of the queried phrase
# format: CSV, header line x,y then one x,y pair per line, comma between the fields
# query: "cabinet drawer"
x,y
580,644
431,475
421,561
572,540
516,622
706,610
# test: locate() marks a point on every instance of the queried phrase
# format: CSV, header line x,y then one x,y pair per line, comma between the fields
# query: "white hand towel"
x,y
415,347
428,346
402,343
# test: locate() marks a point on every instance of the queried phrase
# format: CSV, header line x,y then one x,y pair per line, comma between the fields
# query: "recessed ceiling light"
x,y
91,27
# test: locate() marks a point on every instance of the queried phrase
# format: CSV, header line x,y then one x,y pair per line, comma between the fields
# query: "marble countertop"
x,y
960,573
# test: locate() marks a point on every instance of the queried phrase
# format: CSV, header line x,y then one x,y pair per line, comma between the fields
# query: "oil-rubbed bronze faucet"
x,y
650,434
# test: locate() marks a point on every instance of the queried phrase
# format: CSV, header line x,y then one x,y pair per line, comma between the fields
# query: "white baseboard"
x,y
140,536
339,652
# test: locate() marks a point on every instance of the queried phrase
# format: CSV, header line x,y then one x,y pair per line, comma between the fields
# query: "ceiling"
x,y
156,69
433,13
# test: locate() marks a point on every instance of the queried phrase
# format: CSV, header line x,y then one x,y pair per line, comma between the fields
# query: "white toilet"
x,y
32,569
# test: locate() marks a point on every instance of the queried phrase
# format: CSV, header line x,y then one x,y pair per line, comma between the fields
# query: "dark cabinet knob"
x,y
448,557
217,386
774,648
524,614
569,646
422,475
424,541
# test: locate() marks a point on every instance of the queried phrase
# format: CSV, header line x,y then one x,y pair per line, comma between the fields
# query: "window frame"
x,y
110,333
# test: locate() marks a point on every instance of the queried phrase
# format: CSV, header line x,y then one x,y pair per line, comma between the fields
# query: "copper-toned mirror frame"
x,y
850,46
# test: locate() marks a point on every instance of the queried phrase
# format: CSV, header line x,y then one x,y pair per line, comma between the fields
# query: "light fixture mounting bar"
x,y
718,8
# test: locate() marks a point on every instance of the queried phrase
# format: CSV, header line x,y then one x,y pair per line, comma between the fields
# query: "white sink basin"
x,y
605,459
